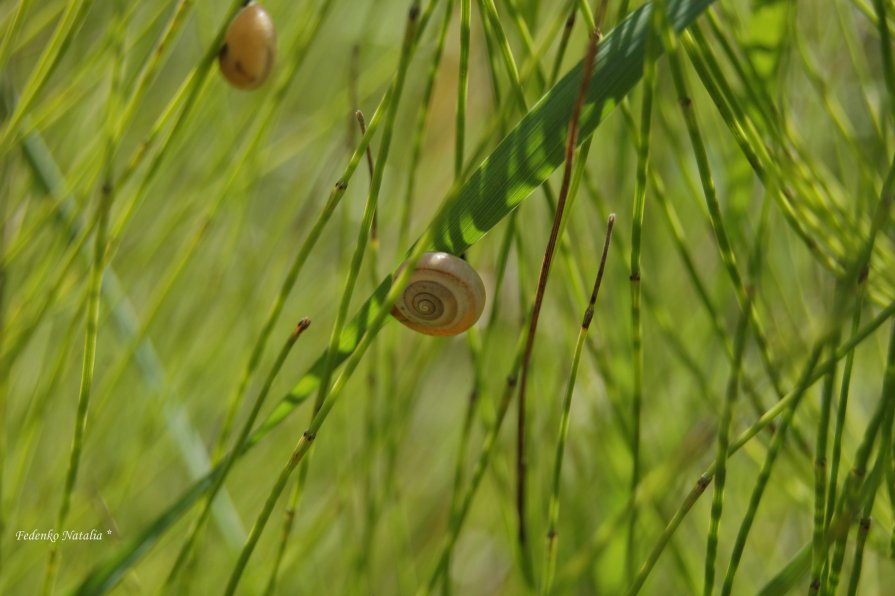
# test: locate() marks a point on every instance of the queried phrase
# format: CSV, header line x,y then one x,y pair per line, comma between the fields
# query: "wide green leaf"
x,y
521,163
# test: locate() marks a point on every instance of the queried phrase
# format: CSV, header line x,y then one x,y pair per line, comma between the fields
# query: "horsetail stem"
x,y
553,509
571,143
640,183
323,404
227,463
104,206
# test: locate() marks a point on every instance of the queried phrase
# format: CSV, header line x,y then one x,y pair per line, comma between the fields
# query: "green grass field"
x,y
723,425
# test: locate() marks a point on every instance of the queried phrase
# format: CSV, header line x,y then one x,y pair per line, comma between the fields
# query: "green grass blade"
x,y
126,324
91,334
49,60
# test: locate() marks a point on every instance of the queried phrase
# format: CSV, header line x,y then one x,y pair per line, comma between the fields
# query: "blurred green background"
x,y
375,509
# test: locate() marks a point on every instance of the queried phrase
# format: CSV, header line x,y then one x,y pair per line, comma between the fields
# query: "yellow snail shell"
x,y
250,48
445,296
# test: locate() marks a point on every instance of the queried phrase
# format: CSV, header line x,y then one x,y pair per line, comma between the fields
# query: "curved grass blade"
x,y
523,161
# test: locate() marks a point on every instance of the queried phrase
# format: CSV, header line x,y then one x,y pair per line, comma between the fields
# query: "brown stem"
x,y
571,142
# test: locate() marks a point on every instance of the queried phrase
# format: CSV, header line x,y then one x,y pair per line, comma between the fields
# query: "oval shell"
x,y
445,296
250,48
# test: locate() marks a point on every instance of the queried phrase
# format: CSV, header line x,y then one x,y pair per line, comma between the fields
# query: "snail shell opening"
x,y
445,296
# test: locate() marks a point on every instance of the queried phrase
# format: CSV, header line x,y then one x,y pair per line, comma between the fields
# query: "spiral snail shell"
x,y
445,296
250,48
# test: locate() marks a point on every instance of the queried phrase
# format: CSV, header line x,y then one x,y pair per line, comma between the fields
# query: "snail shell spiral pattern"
x,y
445,296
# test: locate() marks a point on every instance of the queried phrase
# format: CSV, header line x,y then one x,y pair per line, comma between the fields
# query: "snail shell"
x,y
445,296
250,48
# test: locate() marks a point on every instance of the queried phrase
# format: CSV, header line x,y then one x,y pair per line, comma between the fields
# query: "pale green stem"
x,y
93,303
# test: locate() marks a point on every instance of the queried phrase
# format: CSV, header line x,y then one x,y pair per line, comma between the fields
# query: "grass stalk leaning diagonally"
x,y
62,36
12,30
4,369
855,272
186,98
319,413
185,550
124,318
478,472
553,511
365,233
733,383
571,144
104,206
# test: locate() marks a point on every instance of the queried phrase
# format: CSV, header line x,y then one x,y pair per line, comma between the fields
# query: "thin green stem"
x,y
690,264
854,274
304,443
563,44
705,175
701,483
880,468
465,432
806,200
421,122
477,474
151,66
640,185
370,208
188,94
527,41
764,474
71,19
489,11
553,507
191,246
326,396
12,30
5,168
462,85
820,472
733,383
373,380
841,410
227,464
51,181
288,522
93,302
571,143
298,262
830,576
857,563
364,233
885,44
855,486
763,422
850,500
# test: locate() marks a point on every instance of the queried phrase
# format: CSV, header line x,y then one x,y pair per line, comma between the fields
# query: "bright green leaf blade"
x,y
521,163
